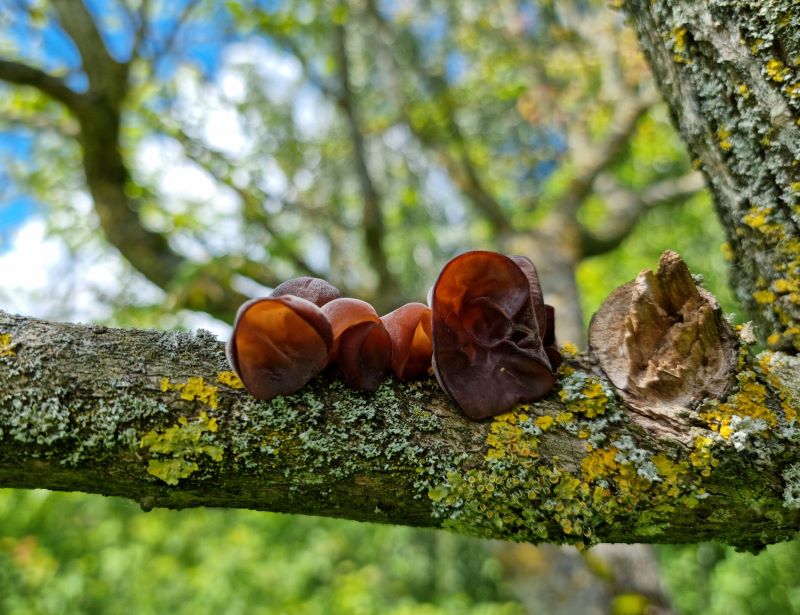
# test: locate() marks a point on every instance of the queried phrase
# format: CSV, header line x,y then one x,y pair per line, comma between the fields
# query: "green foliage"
x,y
72,554
711,579
692,230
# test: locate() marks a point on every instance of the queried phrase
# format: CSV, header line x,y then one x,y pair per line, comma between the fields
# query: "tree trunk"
x,y
730,72
157,417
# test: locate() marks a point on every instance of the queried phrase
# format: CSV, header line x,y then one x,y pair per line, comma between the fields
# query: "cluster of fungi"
x,y
487,335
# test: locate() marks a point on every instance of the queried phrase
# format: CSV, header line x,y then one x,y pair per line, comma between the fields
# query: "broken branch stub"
x,y
663,342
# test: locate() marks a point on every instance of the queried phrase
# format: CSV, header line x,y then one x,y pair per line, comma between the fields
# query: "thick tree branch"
x,y
157,417
729,73
628,206
99,114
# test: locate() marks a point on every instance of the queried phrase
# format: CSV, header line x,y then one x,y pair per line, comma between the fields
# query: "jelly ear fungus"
x,y
493,340
281,342
362,348
409,328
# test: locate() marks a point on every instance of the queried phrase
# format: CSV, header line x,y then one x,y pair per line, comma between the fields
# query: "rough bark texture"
x,y
157,417
730,71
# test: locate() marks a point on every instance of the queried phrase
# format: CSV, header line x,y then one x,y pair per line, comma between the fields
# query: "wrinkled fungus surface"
x,y
488,351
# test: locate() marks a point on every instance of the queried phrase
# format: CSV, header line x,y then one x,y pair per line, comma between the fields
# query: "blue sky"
x,y
45,45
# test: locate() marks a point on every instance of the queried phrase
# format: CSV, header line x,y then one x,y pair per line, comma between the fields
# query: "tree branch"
x,y
592,159
252,198
374,228
180,20
735,103
628,206
140,27
105,74
156,417
460,166
22,74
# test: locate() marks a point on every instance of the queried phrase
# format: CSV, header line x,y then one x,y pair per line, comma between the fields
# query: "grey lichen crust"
x,y
159,418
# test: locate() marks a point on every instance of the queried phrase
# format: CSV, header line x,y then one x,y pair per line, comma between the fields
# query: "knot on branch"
x,y
663,342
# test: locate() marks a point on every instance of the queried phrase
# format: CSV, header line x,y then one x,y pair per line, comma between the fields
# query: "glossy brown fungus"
x,y
316,290
362,348
488,348
545,314
409,328
279,344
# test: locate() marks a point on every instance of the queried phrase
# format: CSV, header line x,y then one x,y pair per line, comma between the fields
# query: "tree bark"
x,y
730,72
158,418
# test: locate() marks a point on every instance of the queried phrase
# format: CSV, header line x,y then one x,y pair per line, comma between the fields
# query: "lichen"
x,y
332,433
774,367
521,494
194,389
6,345
584,394
179,447
791,491
230,379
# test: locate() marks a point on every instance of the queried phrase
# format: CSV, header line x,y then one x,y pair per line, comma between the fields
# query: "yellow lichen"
x,y
764,296
6,346
599,463
679,48
679,39
727,252
545,422
180,446
723,138
563,418
230,379
785,286
747,402
776,70
568,349
788,404
591,401
506,437
701,457
757,218
195,388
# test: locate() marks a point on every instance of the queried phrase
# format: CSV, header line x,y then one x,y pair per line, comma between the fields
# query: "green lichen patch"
x,y
779,369
180,447
758,408
791,492
330,433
